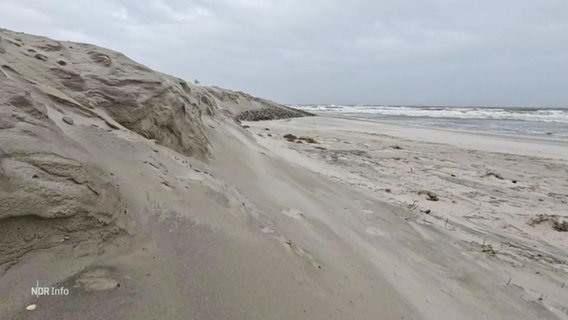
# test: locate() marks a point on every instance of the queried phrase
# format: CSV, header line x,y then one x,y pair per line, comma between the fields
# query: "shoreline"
x,y
548,147
490,134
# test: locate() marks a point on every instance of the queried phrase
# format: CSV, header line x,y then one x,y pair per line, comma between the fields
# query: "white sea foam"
x,y
538,115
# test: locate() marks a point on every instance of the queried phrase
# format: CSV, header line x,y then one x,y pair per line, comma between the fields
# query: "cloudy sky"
x,y
420,52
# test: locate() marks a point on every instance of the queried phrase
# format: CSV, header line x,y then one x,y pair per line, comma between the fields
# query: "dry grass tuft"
x,y
494,174
308,139
554,221
429,195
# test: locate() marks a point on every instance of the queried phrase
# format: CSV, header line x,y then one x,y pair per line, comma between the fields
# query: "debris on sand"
x,y
431,196
487,248
560,226
494,174
412,206
554,221
538,220
31,307
308,139
290,137
396,147
483,248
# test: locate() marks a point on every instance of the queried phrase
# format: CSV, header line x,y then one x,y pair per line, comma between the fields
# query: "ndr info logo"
x,y
49,291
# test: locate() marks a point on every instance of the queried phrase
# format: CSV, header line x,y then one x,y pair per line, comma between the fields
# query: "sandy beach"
x,y
142,196
472,201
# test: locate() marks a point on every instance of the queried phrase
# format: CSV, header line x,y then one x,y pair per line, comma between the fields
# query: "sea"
x,y
542,122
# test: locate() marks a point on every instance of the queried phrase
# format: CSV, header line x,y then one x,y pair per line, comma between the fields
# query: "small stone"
x,y
66,237
427,211
514,181
31,307
68,120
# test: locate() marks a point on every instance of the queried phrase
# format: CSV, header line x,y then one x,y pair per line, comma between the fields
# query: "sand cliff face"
x,y
50,193
81,78
50,190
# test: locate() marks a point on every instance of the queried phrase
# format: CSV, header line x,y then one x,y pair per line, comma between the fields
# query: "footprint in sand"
x,y
293,213
96,280
375,232
267,230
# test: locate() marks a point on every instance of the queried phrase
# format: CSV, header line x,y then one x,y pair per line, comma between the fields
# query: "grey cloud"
x,y
440,52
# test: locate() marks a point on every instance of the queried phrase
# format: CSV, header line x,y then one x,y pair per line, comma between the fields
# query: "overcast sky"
x,y
419,52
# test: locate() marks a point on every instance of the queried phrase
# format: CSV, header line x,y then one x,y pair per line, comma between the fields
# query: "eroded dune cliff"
x,y
45,173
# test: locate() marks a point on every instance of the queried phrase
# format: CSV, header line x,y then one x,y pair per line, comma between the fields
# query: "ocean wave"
x,y
520,114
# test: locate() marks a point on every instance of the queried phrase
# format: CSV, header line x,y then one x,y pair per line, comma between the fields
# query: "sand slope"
x,y
487,241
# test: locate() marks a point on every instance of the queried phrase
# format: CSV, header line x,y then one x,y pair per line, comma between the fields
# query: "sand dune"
x,y
147,198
